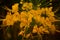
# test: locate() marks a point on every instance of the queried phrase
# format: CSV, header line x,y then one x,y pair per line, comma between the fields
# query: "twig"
x,y
57,9
57,31
6,8
1,19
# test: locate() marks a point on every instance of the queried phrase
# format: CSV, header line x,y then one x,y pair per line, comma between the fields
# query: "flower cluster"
x,y
41,20
27,6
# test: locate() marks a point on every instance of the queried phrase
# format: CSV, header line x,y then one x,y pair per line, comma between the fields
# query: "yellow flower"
x,y
29,17
25,6
23,23
32,12
21,33
43,30
46,31
15,17
15,7
46,9
52,29
30,6
39,11
8,20
48,22
9,15
35,29
52,19
23,17
43,10
40,29
42,20
51,14
23,14
50,9
28,35
37,18
23,20
21,2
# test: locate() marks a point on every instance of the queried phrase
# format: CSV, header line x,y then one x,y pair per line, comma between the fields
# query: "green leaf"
x,y
44,15
33,22
20,37
8,29
27,30
44,3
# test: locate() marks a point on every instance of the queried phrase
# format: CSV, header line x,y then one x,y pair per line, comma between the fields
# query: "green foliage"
x,y
27,30
33,22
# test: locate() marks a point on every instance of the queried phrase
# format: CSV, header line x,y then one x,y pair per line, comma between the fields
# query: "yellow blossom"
x,y
30,6
39,11
25,18
21,2
15,16
51,14
52,29
46,9
35,29
8,20
46,31
50,8
28,35
40,29
23,23
21,33
25,6
37,18
23,14
15,7
42,10
52,19
32,11
47,22
42,20
29,17
9,15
